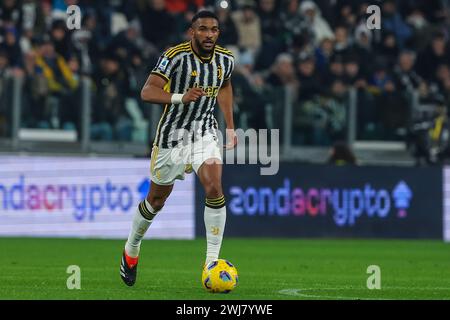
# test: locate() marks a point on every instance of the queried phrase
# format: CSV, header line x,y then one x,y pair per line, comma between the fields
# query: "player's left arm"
x,y
225,100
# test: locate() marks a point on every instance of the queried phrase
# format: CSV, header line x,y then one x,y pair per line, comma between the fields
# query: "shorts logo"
x,y
163,64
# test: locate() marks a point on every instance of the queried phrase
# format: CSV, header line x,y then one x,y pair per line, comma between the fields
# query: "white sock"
x,y
142,219
215,217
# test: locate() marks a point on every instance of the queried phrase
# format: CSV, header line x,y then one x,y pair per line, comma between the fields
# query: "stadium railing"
x,y
307,128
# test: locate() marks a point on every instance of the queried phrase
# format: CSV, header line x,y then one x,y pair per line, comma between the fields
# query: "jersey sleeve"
x,y
165,67
230,69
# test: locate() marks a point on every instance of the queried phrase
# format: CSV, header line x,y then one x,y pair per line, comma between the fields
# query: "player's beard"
x,y
202,51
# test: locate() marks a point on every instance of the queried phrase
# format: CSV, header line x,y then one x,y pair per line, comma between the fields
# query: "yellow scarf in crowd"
x,y
50,76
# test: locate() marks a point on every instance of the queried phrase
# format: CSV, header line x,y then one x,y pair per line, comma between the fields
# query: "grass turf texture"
x,y
268,269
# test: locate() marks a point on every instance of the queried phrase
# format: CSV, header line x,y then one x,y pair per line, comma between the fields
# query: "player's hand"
x,y
232,139
192,95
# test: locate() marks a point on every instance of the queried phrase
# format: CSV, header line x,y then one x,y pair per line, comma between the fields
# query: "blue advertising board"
x,y
86,198
328,201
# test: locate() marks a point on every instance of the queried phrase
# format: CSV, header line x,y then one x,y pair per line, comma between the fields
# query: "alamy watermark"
x,y
374,280
196,146
74,280
374,20
73,21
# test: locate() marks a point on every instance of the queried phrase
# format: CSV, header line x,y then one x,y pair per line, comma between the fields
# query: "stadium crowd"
x,y
320,49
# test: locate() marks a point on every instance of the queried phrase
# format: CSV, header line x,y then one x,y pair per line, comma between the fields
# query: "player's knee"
x,y
157,203
213,189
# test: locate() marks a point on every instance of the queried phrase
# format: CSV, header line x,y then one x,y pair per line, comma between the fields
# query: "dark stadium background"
x,y
356,108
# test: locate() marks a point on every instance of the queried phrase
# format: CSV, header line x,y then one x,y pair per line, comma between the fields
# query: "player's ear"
x,y
191,31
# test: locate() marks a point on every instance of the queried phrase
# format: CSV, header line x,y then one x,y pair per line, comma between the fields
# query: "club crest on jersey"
x,y
194,73
219,72
163,64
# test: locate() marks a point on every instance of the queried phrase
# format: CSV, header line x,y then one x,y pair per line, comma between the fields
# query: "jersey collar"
x,y
209,60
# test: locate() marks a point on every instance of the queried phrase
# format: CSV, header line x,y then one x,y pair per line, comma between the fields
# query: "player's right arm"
x,y
153,92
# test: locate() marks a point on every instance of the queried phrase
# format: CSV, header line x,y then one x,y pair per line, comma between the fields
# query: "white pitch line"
x,y
301,292
297,292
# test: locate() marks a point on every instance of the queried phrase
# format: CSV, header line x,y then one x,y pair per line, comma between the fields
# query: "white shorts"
x,y
167,165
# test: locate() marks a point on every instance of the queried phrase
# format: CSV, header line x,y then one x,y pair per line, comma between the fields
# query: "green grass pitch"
x,y
268,269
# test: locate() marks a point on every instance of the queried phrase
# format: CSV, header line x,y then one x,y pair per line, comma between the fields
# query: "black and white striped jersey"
x,y
184,69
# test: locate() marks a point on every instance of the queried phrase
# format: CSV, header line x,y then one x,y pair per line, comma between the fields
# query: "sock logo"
x,y
215,231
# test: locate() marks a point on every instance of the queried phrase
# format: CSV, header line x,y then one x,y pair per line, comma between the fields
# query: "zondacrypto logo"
x,y
345,204
84,200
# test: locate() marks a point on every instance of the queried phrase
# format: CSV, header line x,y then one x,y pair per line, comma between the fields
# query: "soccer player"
x,y
189,79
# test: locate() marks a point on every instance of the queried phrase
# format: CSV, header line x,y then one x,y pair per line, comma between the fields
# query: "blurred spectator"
x,y
444,84
335,70
33,16
432,10
310,115
10,12
12,47
323,54
34,110
341,154
282,72
342,43
317,24
249,94
362,47
228,31
308,77
301,44
353,75
392,107
88,42
347,17
335,107
417,20
293,22
129,41
428,139
61,39
154,18
55,69
61,85
381,81
406,78
136,73
271,28
249,27
110,119
388,49
435,54
26,41
393,22
183,23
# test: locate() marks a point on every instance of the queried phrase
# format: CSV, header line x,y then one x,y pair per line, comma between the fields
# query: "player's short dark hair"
x,y
204,14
